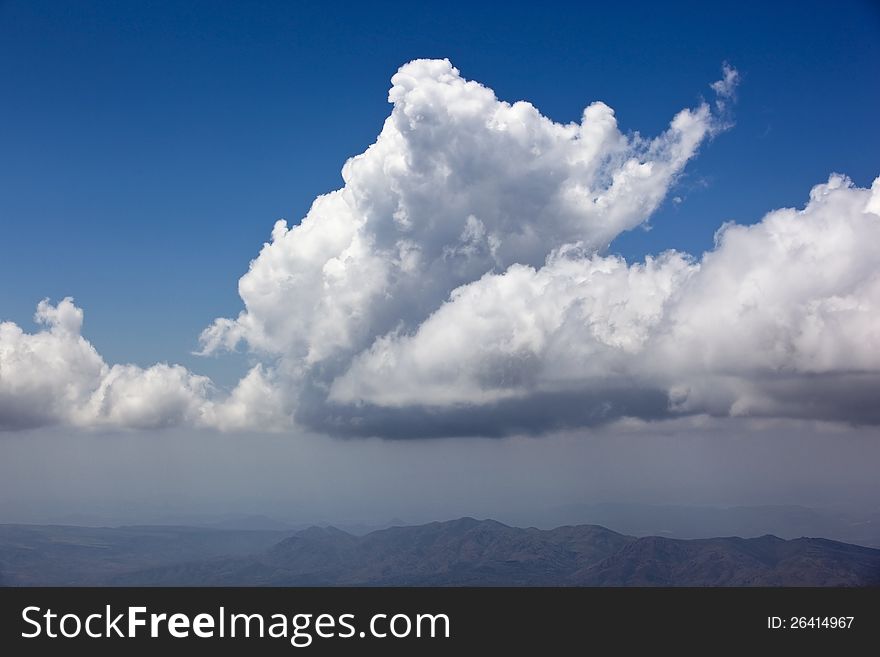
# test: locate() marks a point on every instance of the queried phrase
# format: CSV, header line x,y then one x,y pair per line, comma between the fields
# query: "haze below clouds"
x,y
180,477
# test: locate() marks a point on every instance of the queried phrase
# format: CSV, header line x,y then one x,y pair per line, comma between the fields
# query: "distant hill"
x,y
59,555
709,521
464,552
764,561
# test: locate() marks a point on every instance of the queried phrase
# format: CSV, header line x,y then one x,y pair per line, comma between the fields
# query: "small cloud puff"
x,y
55,376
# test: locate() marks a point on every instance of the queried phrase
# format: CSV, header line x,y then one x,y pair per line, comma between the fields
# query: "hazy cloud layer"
x,y
186,476
456,285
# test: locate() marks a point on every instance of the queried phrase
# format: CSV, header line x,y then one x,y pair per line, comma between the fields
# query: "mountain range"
x,y
463,552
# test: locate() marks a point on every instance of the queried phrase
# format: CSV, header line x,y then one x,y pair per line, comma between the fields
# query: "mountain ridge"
x,y
470,552
461,552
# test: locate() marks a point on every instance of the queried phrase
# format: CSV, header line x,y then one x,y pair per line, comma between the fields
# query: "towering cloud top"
x,y
457,284
458,184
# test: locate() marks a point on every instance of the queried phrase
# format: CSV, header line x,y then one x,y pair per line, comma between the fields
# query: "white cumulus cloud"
x,y
458,185
780,318
45,374
459,283
55,376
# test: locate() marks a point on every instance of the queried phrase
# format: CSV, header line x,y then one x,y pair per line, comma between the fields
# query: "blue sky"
x,y
147,148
